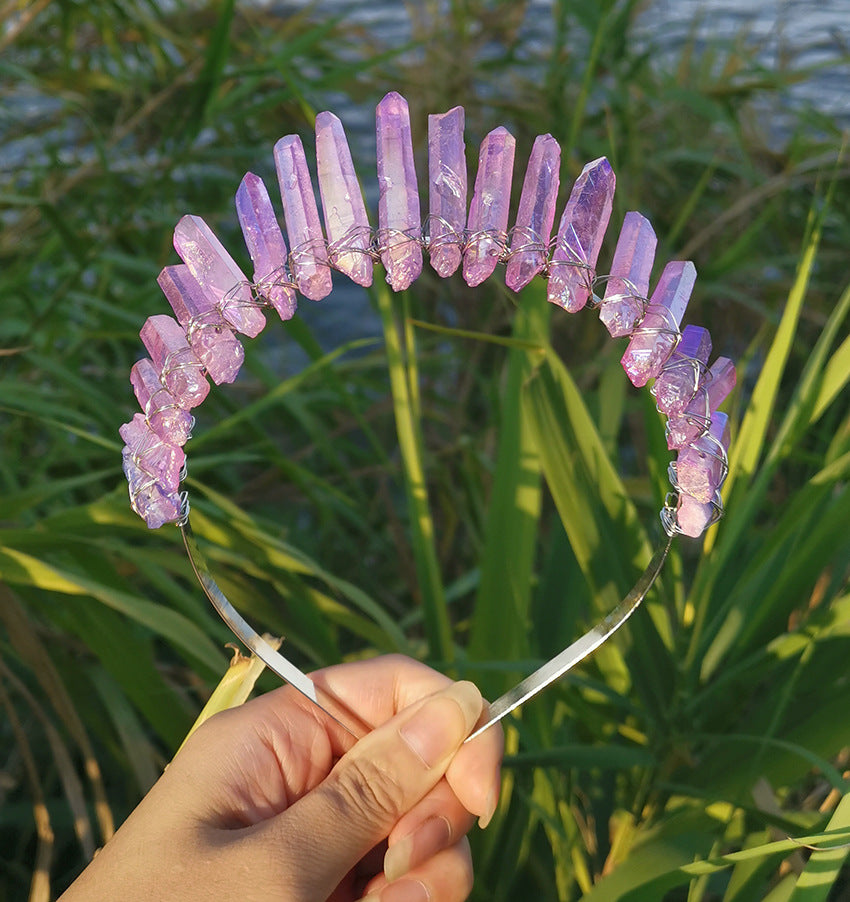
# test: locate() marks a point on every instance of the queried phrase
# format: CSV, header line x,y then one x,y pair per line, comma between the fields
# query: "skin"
x,y
274,801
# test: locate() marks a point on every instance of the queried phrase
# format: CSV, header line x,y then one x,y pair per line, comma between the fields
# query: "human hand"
x,y
273,800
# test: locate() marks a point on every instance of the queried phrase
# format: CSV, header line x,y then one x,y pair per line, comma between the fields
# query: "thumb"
x,y
379,779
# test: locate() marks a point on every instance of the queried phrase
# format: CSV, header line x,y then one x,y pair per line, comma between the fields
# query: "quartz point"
x,y
488,213
155,505
701,466
686,427
179,369
693,517
683,372
447,198
212,340
167,419
628,283
398,194
580,233
536,213
265,244
308,258
346,223
218,275
151,454
656,337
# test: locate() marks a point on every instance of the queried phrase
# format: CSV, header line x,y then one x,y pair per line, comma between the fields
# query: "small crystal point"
x,y
308,257
536,214
686,427
265,244
217,348
580,234
488,213
155,505
179,369
628,284
398,200
656,336
682,373
700,467
218,275
149,452
693,517
167,419
346,223
447,198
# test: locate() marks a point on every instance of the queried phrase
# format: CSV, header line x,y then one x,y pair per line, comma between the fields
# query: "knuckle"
x,y
369,788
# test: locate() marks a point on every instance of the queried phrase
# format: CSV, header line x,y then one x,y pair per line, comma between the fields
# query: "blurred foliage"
x,y
678,762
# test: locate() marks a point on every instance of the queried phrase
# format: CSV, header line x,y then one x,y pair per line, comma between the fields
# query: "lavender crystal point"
x,y
398,201
265,244
149,452
656,337
155,505
628,284
447,198
701,467
580,235
536,214
346,223
167,419
308,258
179,369
218,275
682,374
686,427
693,517
488,212
215,345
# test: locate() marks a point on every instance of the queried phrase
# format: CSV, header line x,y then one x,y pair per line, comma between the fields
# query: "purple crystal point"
x,y
168,420
179,369
656,336
149,452
488,212
628,284
398,202
701,467
580,235
685,428
218,275
308,257
346,223
447,198
682,373
536,214
216,347
148,499
693,517
265,244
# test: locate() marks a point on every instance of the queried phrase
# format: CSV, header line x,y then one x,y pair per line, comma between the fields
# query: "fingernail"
x,y
489,810
406,891
435,730
427,839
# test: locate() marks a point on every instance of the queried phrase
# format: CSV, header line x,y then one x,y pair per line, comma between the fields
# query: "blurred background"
x,y
715,727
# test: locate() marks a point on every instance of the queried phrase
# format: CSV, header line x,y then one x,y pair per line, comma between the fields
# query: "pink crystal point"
x,y
693,517
149,452
628,284
265,244
346,223
398,202
179,369
701,467
216,347
682,373
308,257
148,499
169,421
580,235
218,275
488,212
656,336
536,214
688,426
447,198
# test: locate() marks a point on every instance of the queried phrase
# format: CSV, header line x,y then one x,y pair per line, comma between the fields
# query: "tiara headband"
x,y
212,299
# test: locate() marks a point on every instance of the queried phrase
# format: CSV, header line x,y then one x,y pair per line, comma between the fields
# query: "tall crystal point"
x,y
656,336
628,284
265,244
179,368
488,213
683,372
218,349
447,197
346,223
701,467
167,419
398,199
580,235
218,275
308,257
536,214
686,427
